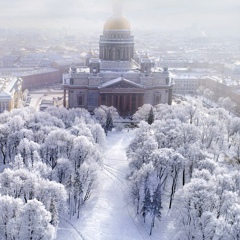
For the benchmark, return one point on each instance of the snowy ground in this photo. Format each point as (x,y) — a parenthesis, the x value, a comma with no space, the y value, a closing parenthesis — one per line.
(109,216)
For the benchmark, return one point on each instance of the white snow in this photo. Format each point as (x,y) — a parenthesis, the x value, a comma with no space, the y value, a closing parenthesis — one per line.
(109,216)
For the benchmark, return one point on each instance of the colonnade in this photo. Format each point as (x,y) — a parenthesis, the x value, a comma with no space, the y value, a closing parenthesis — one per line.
(126,104)
(116,53)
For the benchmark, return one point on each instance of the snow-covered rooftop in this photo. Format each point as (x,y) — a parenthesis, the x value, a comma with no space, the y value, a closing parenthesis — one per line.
(7,87)
(226,81)
(36,71)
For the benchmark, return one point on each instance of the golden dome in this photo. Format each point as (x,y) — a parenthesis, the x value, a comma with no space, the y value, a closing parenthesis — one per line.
(117,23)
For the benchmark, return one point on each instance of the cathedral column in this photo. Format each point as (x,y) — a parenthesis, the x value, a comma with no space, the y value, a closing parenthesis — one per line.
(141,99)
(106,100)
(110,54)
(170,97)
(64,98)
(130,104)
(114,53)
(101,52)
(137,95)
(100,100)
(112,100)
(118,102)
(124,103)
(121,54)
(107,53)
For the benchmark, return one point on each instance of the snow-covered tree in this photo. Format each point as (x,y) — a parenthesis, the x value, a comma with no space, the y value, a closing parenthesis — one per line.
(150,119)
(156,206)
(194,209)
(235,147)
(45,150)
(26,149)
(9,208)
(143,113)
(97,134)
(146,204)
(227,103)
(80,187)
(34,222)
(4,131)
(207,93)
(101,113)
(108,126)
(191,110)
(63,170)
(176,164)
(57,144)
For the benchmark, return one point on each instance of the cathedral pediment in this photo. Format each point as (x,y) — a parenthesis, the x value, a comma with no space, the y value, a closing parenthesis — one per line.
(121,83)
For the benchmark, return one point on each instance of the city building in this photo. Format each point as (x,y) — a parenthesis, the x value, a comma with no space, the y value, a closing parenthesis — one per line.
(40,78)
(185,84)
(10,93)
(34,77)
(223,87)
(188,80)
(115,78)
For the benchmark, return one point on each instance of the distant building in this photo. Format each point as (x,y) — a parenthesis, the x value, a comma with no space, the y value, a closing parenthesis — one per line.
(180,62)
(41,77)
(9,60)
(34,77)
(115,79)
(14,71)
(10,93)
(188,80)
(223,88)
(185,84)
(63,65)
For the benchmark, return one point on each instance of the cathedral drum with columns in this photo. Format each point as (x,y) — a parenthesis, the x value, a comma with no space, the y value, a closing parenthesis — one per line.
(115,78)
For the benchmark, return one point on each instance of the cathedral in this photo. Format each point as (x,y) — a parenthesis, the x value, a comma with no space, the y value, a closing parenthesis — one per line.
(115,78)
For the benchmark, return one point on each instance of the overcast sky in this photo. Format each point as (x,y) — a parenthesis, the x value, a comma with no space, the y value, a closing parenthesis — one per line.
(91,14)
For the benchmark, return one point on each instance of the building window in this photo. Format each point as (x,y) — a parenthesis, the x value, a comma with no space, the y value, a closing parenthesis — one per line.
(157,98)
(80,99)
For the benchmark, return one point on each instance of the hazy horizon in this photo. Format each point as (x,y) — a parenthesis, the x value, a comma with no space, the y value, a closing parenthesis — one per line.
(142,14)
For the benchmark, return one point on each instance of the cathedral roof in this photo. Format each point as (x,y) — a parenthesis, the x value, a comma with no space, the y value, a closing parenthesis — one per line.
(121,80)
(119,65)
(117,23)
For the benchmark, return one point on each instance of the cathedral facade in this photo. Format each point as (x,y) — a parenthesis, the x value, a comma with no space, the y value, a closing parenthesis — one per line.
(115,78)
